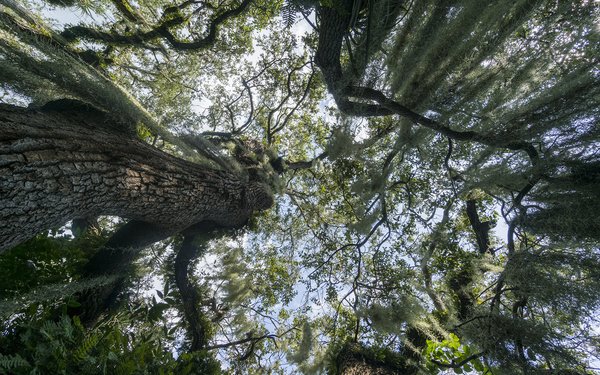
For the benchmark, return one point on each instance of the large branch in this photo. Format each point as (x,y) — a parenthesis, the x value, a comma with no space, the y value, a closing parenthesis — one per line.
(115,260)
(195,241)
(481,229)
(189,250)
(163,30)
(335,25)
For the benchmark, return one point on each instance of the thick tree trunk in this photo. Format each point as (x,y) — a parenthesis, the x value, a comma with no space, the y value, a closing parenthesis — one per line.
(59,165)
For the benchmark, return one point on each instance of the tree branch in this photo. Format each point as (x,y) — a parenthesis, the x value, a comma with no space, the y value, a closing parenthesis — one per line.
(195,240)
(334,26)
(305,164)
(160,31)
(254,340)
(481,229)
(458,364)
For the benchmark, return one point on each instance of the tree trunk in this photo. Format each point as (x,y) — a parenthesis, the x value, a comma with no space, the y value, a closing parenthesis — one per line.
(355,359)
(194,245)
(56,165)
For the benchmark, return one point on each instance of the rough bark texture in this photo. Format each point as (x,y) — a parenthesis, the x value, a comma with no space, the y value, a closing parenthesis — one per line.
(353,359)
(194,244)
(56,165)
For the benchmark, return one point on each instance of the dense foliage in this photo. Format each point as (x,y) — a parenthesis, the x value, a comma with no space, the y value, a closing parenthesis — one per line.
(436,172)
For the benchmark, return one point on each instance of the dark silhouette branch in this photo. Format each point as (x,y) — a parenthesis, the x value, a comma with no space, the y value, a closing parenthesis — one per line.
(193,245)
(189,250)
(252,340)
(242,128)
(238,342)
(460,363)
(280,126)
(305,164)
(335,24)
(481,229)
(160,31)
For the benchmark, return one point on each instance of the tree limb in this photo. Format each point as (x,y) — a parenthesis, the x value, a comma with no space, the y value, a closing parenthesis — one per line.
(481,229)
(458,364)
(195,240)
(334,26)
(159,31)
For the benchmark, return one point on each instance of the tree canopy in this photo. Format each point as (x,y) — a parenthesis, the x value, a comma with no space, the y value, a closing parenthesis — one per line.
(300,186)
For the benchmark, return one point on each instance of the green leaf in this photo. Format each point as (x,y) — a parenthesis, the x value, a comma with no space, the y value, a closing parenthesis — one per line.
(156,311)
(73,303)
(478,365)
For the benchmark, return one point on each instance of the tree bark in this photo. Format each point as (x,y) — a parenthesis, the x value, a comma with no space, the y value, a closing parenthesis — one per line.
(355,359)
(481,229)
(56,165)
(194,245)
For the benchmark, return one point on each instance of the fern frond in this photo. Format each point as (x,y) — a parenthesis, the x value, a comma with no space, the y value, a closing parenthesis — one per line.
(288,13)
(12,362)
(86,347)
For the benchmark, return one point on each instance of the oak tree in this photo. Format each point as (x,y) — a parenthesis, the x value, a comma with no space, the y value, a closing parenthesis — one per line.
(341,186)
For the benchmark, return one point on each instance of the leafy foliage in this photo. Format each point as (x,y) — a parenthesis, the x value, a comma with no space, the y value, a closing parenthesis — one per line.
(66,347)
(450,352)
